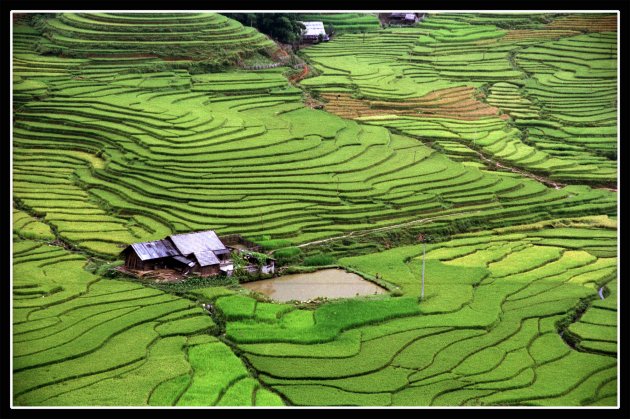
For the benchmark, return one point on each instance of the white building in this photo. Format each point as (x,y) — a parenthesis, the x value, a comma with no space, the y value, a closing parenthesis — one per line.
(313,30)
(405,17)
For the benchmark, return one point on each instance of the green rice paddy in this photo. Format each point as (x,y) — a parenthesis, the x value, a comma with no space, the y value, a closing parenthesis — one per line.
(557,91)
(122,134)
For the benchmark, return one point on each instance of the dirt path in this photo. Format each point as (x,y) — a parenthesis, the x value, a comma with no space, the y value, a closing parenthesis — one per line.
(299,77)
(541,179)
(359,233)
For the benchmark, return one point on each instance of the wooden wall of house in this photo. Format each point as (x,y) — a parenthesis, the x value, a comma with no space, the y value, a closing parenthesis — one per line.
(208,270)
(132,261)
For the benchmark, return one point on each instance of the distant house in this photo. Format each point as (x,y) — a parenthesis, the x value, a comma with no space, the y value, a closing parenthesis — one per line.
(313,30)
(407,18)
(200,253)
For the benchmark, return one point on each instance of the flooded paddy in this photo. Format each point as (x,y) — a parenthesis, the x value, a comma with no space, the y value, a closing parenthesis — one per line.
(330,283)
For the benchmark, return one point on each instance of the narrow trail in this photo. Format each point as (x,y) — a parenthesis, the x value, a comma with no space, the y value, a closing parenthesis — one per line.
(541,179)
(608,189)
(360,233)
(490,162)
(301,76)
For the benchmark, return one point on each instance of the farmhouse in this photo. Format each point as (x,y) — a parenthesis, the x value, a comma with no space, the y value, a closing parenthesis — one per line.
(405,18)
(201,253)
(313,30)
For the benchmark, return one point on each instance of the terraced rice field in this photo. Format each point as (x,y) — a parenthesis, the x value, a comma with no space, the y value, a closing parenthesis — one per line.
(486,332)
(139,154)
(122,134)
(82,340)
(184,35)
(550,89)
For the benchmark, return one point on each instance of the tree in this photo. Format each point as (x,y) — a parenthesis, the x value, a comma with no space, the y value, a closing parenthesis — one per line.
(283,27)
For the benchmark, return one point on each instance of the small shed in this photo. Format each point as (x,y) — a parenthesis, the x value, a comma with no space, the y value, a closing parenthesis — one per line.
(411,17)
(207,263)
(268,267)
(405,17)
(183,264)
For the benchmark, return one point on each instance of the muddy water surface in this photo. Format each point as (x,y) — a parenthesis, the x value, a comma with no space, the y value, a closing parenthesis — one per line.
(330,283)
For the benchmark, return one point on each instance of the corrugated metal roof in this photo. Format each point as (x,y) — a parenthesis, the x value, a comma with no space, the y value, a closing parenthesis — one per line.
(184,260)
(313,28)
(201,241)
(154,250)
(207,258)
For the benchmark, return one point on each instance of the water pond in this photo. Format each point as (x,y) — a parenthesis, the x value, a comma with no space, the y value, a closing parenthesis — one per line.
(330,283)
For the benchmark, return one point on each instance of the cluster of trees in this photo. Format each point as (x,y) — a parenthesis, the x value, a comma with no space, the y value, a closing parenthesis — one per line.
(283,27)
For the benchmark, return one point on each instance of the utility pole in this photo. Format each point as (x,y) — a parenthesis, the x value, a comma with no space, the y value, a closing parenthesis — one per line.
(424,248)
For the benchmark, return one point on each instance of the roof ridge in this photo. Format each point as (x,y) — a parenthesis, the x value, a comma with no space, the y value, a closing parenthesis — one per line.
(191,232)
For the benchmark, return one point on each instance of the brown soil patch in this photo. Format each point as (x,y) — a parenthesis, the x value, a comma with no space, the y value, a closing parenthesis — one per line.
(586,23)
(163,275)
(523,34)
(454,103)
(178,59)
(313,103)
(122,56)
(280,55)
(296,78)
(159,275)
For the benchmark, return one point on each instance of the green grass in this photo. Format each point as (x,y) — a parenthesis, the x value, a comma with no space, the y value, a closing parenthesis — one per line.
(323,325)
(319,260)
(214,368)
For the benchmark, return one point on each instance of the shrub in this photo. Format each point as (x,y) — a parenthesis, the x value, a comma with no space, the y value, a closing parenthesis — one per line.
(287,255)
(268,244)
(319,260)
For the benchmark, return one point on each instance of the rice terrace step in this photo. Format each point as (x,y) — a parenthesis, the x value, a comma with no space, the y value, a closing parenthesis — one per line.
(324,209)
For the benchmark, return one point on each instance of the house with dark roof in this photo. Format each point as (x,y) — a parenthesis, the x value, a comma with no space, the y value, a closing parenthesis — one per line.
(201,253)
(407,18)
